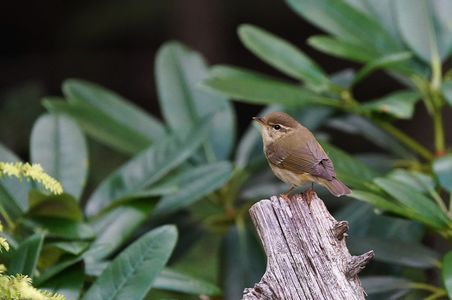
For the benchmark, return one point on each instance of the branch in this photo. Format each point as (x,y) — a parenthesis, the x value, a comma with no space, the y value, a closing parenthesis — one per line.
(307,257)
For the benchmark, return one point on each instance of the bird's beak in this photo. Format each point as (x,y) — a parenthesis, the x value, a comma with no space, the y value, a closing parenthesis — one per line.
(259,120)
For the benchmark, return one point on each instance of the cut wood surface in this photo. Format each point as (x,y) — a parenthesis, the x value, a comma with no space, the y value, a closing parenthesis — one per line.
(307,256)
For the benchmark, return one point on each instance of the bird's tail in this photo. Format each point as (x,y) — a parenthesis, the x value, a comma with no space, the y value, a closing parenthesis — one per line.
(336,187)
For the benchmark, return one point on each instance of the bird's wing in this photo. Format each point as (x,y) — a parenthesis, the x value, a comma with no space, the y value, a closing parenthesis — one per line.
(310,158)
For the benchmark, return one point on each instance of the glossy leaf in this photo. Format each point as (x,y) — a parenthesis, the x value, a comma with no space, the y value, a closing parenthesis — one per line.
(342,49)
(146,168)
(120,110)
(170,280)
(178,70)
(69,284)
(447,272)
(417,181)
(51,272)
(447,91)
(283,56)
(242,262)
(195,184)
(74,248)
(259,89)
(387,61)
(100,126)
(414,201)
(378,201)
(417,28)
(117,226)
(398,104)
(352,124)
(381,284)
(24,259)
(63,228)
(13,192)
(58,145)
(132,273)
(345,22)
(443,170)
(394,251)
(60,206)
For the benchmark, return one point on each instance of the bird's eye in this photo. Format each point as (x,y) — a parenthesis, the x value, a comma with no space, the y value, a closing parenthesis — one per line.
(276,127)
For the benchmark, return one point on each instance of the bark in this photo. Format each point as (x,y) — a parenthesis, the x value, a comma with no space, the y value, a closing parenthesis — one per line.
(307,256)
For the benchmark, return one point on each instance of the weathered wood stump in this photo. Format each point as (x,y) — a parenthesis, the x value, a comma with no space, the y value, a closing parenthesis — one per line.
(307,257)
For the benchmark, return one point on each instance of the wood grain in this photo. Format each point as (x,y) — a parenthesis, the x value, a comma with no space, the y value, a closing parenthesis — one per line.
(307,256)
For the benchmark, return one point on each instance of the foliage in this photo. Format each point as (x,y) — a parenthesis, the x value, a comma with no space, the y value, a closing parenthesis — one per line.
(171,220)
(411,41)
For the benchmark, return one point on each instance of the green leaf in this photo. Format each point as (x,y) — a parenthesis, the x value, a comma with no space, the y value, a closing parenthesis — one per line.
(117,226)
(58,145)
(100,126)
(345,22)
(74,248)
(378,201)
(352,124)
(132,273)
(342,49)
(414,201)
(283,56)
(259,89)
(418,181)
(447,272)
(63,228)
(443,170)
(446,89)
(349,169)
(50,273)
(177,282)
(69,284)
(146,168)
(24,259)
(178,70)
(242,262)
(60,206)
(195,184)
(388,61)
(119,110)
(394,251)
(398,104)
(381,284)
(13,192)
(417,28)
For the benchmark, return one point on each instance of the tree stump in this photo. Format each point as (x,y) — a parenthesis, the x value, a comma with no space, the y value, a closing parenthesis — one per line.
(307,257)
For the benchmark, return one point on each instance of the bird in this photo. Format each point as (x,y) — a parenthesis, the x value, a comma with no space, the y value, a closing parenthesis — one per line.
(295,156)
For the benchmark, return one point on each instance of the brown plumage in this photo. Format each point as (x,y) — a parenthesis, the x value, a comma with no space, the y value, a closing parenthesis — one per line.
(295,156)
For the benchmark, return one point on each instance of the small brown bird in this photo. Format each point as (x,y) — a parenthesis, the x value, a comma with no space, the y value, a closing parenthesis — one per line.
(295,156)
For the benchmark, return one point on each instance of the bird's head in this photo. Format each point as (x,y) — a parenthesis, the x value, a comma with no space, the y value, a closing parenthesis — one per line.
(276,125)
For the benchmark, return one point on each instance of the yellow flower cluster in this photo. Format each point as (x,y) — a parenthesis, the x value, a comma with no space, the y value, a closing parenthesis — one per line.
(33,172)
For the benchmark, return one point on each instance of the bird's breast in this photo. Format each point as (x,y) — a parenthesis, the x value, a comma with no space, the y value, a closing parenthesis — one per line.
(291,177)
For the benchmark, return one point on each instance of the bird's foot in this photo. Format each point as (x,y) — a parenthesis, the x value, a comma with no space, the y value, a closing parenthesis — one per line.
(285,196)
(309,195)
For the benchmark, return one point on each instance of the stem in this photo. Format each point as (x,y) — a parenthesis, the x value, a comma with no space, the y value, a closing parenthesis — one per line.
(450,203)
(406,139)
(439,132)
(439,201)
(427,287)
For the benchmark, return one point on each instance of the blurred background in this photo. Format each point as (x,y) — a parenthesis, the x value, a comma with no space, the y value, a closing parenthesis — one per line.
(113,43)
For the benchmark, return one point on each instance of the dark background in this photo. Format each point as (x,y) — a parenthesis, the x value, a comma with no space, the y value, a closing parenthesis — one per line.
(113,43)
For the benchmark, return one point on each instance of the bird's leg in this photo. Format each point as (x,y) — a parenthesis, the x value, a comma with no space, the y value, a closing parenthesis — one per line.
(286,194)
(310,194)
